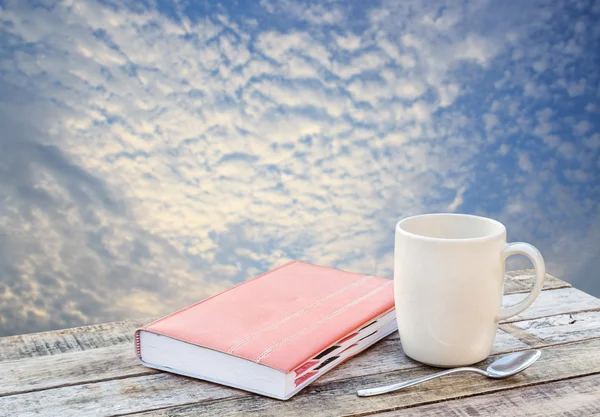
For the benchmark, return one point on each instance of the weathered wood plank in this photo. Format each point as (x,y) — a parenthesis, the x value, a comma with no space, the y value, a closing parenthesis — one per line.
(118,361)
(71,369)
(522,281)
(327,398)
(548,303)
(563,328)
(525,337)
(110,334)
(112,397)
(558,301)
(339,398)
(573,397)
(68,340)
(388,355)
(103,352)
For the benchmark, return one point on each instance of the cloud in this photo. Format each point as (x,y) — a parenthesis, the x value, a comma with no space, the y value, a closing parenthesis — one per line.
(150,159)
(318,14)
(593,141)
(582,127)
(524,162)
(491,120)
(574,89)
(458,200)
(504,148)
(348,41)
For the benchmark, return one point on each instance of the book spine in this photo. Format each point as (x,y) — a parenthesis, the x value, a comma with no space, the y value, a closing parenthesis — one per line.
(138,349)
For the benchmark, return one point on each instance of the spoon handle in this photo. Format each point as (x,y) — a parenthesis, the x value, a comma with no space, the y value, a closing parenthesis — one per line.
(395,387)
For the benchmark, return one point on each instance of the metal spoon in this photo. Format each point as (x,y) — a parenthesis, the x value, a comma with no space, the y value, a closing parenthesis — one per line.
(501,368)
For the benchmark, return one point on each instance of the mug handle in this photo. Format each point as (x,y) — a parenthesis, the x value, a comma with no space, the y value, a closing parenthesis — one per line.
(540,270)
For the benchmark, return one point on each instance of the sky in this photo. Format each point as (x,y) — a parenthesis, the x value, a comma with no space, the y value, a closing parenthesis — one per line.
(153,153)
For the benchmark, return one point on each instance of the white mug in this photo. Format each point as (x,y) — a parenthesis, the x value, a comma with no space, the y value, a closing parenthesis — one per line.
(448,286)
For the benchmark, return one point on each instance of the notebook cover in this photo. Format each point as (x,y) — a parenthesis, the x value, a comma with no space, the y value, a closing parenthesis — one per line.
(280,318)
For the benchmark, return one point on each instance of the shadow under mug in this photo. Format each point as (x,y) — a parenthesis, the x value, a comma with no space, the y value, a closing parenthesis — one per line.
(448,286)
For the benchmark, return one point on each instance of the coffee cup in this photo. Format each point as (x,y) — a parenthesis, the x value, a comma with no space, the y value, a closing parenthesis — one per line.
(448,286)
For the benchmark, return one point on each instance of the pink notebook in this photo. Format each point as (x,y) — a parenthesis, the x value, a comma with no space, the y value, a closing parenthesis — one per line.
(273,334)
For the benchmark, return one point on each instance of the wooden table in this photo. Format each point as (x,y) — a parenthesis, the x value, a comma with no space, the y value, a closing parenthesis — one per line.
(92,370)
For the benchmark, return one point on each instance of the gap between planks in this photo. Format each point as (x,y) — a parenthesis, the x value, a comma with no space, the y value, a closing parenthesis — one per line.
(411,409)
(524,336)
(502,400)
(573,360)
(163,390)
(568,396)
(114,333)
(482,364)
(70,340)
(102,328)
(118,362)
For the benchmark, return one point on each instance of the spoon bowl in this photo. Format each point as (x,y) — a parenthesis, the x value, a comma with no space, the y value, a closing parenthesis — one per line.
(502,367)
(512,364)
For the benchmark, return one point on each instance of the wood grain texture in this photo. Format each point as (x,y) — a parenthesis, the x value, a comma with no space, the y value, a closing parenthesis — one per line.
(70,369)
(560,301)
(339,398)
(336,397)
(111,334)
(92,370)
(572,397)
(521,281)
(68,340)
(118,396)
(563,328)
(525,337)
(388,355)
(554,302)
(118,360)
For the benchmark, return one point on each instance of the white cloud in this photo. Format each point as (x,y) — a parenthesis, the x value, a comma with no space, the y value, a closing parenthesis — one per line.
(478,49)
(524,162)
(593,141)
(367,61)
(582,127)
(348,41)
(567,149)
(458,200)
(318,14)
(574,89)
(279,46)
(576,175)
(551,140)
(448,93)
(491,120)
(174,154)
(539,66)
